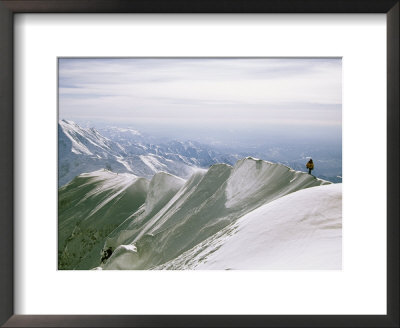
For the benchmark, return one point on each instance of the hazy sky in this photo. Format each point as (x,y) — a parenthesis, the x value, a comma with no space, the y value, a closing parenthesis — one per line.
(292,94)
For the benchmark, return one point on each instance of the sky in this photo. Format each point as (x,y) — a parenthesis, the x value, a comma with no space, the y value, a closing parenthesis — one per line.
(204,96)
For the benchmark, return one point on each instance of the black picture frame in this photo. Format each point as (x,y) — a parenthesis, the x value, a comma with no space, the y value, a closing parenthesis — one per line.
(10,7)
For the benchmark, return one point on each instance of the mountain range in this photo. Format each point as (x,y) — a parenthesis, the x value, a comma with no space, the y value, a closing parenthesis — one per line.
(129,201)
(83,150)
(253,215)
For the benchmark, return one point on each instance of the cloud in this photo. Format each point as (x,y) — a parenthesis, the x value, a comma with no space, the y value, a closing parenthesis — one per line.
(180,90)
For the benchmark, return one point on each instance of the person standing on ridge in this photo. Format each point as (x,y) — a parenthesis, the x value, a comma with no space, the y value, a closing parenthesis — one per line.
(310,166)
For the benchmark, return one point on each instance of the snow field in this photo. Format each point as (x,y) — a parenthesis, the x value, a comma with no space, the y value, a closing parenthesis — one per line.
(298,231)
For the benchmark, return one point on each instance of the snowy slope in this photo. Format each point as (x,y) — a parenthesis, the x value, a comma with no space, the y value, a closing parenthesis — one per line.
(90,207)
(205,205)
(298,231)
(88,141)
(94,204)
(147,165)
(86,150)
(162,188)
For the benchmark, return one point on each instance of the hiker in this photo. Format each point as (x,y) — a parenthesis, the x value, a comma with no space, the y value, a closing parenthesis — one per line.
(310,166)
(106,254)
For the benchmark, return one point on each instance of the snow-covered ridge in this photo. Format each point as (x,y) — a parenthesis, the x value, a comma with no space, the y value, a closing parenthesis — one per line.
(86,149)
(131,131)
(86,141)
(162,186)
(175,217)
(264,179)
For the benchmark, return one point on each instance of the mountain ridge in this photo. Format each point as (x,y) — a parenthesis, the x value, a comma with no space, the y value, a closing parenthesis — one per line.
(83,150)
(190,212)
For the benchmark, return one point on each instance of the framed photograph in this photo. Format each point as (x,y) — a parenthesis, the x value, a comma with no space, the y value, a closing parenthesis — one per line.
(183,163)
(197,164)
